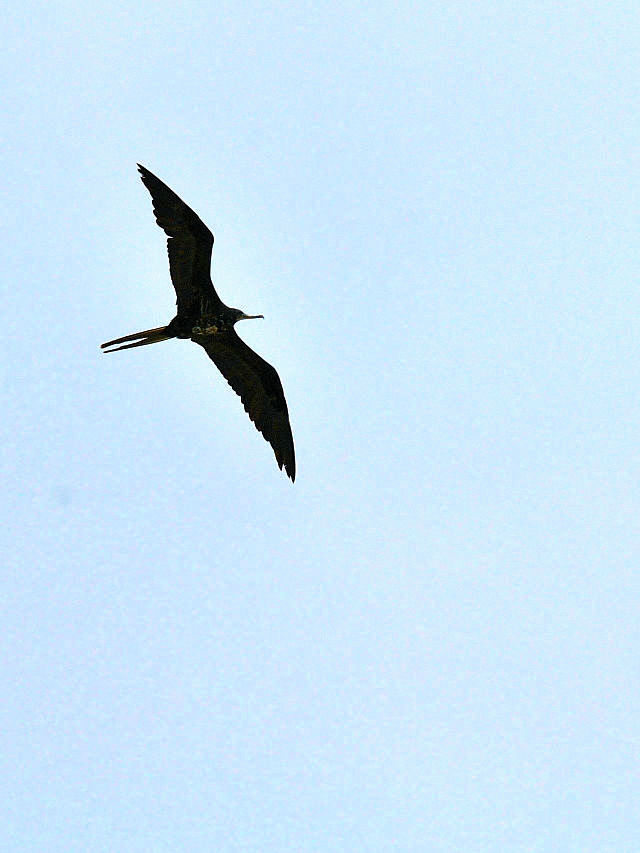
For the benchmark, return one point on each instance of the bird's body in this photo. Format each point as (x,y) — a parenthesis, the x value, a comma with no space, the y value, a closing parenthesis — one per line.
(203,318)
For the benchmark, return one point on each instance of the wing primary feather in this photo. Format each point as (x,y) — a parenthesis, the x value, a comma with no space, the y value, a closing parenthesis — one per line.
(258,385)
(189,245)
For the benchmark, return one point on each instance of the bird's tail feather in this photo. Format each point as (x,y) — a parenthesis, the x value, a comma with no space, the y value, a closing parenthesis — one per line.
(141,339)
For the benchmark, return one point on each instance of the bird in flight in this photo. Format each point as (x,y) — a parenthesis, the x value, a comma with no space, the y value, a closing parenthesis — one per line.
(204,318)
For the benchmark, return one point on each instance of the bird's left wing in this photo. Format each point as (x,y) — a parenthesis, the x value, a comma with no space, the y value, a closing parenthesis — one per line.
(258,385)
(189,246)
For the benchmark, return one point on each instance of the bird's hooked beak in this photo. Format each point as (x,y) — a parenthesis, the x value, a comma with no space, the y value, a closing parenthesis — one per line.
(244,316)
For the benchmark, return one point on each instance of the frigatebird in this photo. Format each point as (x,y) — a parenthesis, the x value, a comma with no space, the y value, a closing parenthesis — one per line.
(204,318)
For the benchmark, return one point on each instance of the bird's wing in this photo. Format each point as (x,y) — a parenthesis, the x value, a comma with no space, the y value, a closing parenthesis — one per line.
(258,386)
(189,245)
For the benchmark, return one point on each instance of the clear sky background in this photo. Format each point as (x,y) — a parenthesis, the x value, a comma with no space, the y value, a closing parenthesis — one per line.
(430,642)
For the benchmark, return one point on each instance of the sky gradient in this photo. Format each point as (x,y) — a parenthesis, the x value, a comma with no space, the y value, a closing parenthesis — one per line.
(430,641)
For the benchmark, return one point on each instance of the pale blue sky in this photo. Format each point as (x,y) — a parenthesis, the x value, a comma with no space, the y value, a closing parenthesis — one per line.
(430,642)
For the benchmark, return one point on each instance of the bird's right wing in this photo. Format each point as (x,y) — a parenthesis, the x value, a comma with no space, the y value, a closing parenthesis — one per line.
(189,246)
(258,385)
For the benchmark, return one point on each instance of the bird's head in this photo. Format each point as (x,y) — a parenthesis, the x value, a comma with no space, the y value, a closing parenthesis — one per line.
(240,315)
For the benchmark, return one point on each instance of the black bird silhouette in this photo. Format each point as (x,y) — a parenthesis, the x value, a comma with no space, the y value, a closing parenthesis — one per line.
(203,318)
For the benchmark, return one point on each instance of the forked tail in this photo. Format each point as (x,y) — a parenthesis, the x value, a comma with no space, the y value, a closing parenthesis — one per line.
(140,339)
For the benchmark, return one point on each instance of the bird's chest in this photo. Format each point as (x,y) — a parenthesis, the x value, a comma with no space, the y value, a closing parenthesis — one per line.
(208,326)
